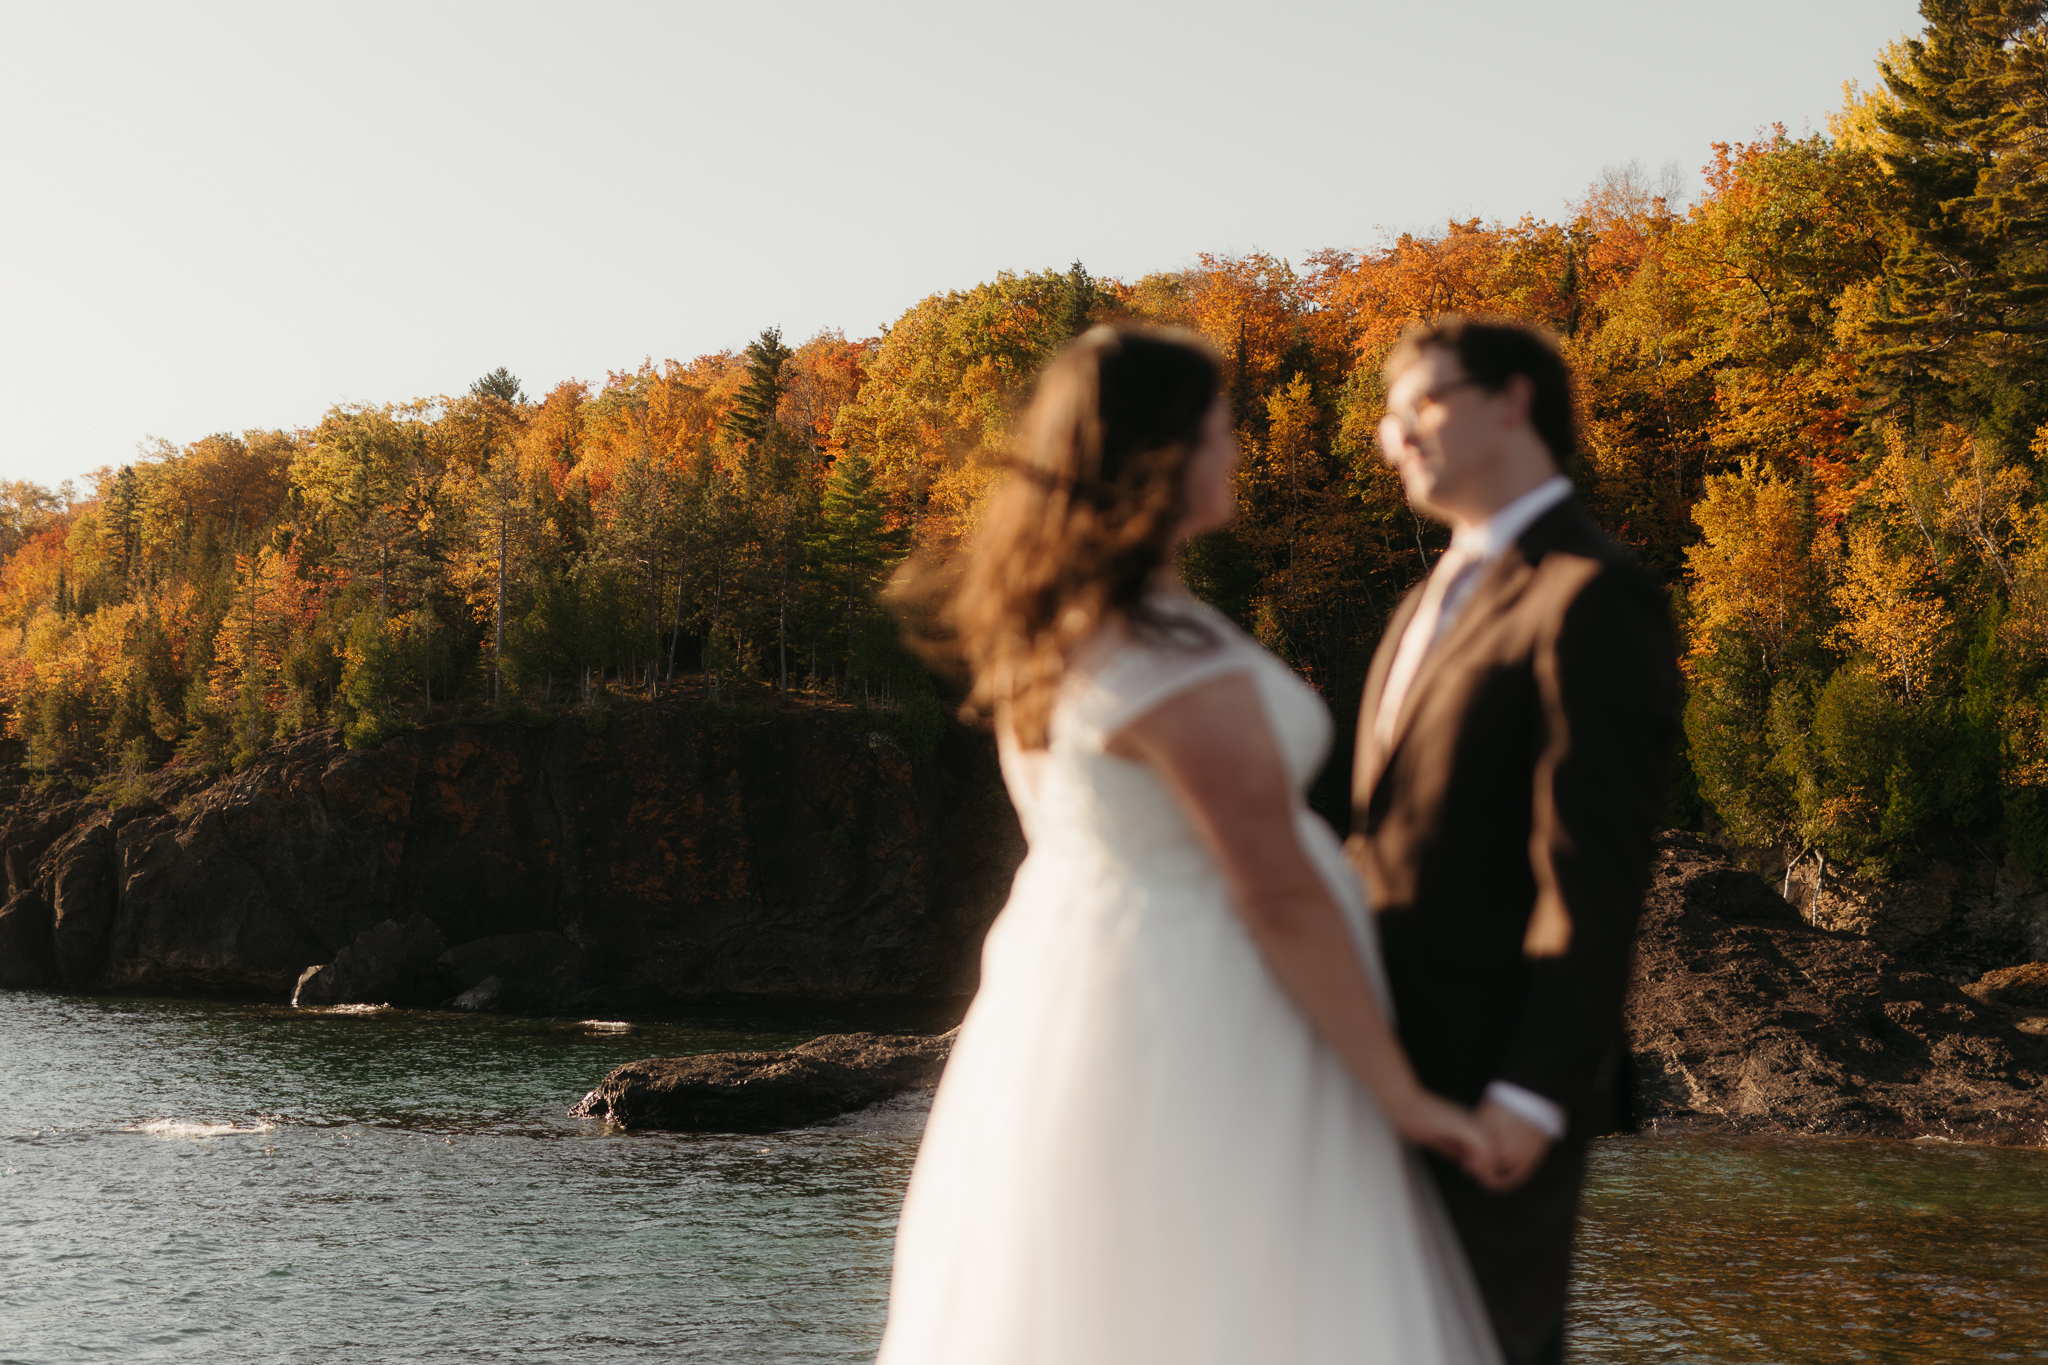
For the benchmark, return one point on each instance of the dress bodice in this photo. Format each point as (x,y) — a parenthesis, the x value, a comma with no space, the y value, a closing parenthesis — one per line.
(1078,797)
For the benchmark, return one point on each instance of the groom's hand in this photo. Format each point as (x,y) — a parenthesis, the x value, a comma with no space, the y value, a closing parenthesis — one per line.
(1518,1147)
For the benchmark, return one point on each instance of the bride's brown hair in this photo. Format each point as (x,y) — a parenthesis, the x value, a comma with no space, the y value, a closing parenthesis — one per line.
(1086,516)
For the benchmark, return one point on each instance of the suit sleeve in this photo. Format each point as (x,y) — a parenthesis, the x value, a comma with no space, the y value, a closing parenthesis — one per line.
(1607,682)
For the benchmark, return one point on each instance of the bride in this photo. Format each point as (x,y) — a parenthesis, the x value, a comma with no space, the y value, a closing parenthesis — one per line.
(1172,1127)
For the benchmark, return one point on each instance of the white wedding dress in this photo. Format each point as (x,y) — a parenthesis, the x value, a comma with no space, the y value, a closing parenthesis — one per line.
(1140,1152)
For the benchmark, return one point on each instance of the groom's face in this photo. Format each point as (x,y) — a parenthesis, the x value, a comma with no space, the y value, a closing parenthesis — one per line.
(1421,436)
(1443,435)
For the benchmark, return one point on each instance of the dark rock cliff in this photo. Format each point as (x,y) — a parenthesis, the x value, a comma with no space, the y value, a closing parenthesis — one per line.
(1745,1017)
(680,852)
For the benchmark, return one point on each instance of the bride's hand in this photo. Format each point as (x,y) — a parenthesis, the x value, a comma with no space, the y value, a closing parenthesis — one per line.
(1450,1130)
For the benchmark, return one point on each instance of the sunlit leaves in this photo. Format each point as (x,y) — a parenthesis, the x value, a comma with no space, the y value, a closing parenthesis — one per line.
(1891,611)
(1754,572)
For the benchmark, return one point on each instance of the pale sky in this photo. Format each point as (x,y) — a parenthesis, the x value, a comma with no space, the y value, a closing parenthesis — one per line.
(216,217)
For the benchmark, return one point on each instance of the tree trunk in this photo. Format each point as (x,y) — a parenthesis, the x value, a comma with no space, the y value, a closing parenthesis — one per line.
(782,624)
(498,649)
(252,662)
(675,636)
(852,600)
(717,608)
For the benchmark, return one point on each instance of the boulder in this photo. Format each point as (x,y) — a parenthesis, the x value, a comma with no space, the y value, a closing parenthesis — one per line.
(28,954)
(2016,991)
(1744,1018)
(1958,919)
(388,964)
(761,1092)
(532,971)
(482,996)
(2023,988)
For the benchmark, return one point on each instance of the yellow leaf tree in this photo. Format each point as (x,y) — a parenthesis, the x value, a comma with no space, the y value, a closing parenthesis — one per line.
(1891,612)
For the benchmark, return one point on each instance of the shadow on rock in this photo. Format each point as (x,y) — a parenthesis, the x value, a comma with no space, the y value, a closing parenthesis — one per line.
(411,965)
(690,852)
(388,964)
(515,972)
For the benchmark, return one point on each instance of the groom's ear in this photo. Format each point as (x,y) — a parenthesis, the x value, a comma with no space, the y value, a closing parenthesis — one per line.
(1520,393)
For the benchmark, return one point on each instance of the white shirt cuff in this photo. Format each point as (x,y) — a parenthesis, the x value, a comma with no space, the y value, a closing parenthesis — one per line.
(1523,1103)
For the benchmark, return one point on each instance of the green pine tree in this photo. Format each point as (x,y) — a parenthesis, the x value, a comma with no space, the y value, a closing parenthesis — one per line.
(373,672)
(499,383)
(1074,306)
(1968,264)
(851,549)
(754,414)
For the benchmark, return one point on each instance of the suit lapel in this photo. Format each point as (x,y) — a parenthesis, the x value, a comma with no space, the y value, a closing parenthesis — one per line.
(1502,583)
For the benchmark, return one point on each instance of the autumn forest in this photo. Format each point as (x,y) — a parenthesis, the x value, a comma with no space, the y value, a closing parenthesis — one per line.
(1813,402)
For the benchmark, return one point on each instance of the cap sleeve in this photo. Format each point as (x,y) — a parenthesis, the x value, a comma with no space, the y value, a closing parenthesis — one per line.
(1101,698)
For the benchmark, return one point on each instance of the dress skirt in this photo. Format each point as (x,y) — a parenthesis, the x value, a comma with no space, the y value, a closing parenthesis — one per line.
(1140,1152)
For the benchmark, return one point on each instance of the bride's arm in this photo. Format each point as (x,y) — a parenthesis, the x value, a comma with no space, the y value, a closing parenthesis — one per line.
(1215,751)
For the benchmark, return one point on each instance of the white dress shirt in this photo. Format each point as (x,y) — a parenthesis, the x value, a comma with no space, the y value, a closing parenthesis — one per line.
(1460,570)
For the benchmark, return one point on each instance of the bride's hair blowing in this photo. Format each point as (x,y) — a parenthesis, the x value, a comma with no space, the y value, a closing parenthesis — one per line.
(1086,516)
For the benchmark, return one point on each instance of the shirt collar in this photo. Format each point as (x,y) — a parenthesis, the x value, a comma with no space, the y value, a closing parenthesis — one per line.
(1502,529)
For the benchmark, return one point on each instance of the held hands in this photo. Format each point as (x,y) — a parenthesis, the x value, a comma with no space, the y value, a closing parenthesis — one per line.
(1497,1148)
(1518,1145)
(1450,1130)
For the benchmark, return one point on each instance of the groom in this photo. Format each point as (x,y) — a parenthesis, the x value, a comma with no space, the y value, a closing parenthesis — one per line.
(1509,776)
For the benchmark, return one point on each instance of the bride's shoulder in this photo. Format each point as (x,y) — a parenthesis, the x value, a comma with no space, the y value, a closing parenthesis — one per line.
(1130,666)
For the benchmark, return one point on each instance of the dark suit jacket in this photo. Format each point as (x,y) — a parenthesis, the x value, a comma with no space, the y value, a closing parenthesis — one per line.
(1505,833)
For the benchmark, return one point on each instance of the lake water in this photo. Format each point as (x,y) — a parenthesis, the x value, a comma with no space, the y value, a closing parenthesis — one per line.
(185,1180)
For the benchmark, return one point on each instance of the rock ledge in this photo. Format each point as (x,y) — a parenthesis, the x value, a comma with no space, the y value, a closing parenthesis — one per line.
(762,1092)
(1742,1017)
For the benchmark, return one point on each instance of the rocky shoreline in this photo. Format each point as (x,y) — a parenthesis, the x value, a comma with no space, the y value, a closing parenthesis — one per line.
(1742,1018)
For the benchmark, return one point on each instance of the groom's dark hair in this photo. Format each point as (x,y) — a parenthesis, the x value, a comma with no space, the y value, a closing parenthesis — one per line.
(1493,350)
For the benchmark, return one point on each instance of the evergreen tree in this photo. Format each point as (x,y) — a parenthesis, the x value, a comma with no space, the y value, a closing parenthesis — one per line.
(373,671)
(121,517)
(2012,193)
(1966,269)
(499,383)
(1073,307)
(755,412)
(852,547)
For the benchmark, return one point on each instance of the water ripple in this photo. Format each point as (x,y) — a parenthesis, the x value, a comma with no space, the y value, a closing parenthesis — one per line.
(185,1181)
